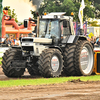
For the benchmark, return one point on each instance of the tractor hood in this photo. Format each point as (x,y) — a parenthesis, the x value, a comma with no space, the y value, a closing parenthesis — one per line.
(28,40)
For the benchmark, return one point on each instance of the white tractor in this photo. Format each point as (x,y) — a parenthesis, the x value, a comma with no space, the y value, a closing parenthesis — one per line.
(54,51)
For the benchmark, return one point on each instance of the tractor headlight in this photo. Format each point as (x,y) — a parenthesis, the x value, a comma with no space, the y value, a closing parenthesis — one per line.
(31,52)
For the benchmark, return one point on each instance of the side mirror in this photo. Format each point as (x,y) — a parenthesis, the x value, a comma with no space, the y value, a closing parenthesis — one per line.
(25,23)
(65,23)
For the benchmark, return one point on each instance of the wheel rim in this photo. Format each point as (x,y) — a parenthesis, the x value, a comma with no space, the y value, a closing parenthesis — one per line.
(86,59)
(55,63)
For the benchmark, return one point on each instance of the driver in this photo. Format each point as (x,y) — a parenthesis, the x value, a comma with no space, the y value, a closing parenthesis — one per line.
(54,29)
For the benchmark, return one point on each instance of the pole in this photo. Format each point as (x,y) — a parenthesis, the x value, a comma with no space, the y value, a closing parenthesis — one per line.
(38,26)
(0,16)
(82,6)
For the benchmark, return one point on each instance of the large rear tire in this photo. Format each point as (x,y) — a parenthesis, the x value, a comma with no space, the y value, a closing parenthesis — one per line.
(9,56)
(84,58)
(51,63)
(79,59)
(69,68)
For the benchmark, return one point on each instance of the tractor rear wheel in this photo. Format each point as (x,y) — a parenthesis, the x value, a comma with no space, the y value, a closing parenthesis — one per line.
(69,69)
(8,69)
(79,59)
(51,63)
(84,58)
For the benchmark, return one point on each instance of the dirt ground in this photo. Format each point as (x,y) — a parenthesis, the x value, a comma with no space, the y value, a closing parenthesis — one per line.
(74,90)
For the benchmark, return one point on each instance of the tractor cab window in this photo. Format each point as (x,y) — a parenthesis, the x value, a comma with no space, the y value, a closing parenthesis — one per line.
(65,28)
(49,28)
(42,28)
(53,29)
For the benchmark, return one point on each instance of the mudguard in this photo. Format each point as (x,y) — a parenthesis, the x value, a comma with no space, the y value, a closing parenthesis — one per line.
(73,39)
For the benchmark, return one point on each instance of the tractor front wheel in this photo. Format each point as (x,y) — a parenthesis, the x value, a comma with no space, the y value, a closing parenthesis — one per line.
(51,63)
(9,69)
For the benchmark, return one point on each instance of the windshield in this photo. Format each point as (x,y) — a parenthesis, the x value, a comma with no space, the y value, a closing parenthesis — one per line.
(42,28)
(49,28)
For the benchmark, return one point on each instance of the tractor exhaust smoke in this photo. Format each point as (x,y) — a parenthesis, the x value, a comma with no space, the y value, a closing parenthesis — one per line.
(36,3)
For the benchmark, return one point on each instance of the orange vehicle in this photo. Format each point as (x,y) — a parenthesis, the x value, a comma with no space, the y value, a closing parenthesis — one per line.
(15,29)
(96,69)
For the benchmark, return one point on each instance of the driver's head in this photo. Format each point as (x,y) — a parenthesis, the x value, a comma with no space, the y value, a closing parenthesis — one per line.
(54,24)
(99,39)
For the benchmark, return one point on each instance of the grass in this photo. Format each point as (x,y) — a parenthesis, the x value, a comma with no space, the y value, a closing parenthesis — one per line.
(41,81)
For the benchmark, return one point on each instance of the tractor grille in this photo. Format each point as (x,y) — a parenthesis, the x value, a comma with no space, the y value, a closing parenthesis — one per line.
(28,48)
(27,40)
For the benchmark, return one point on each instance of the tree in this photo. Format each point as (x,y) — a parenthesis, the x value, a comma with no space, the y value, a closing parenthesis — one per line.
(93,23)
(50,6)
(89,11)
(96,4)
(35,14)
(11,13)
(67,6)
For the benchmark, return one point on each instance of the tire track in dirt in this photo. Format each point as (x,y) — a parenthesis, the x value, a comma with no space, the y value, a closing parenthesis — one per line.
(64,91)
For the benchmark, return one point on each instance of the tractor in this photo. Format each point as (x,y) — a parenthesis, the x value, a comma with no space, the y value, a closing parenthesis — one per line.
(54,52)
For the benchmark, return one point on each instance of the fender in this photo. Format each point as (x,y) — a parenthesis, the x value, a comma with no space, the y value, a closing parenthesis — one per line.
(57,47)
(73,39)
(79,38)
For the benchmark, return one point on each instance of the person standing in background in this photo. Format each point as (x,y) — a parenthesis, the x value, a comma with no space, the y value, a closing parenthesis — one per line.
(98,42)
(10,41)
(95,39)
(6,42)
(92,41)
(21,37)
(17,42)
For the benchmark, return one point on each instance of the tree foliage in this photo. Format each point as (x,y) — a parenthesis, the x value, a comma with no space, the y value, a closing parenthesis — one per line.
(96,4)
(35,14)
(11,13)
(93,23)
(67,6)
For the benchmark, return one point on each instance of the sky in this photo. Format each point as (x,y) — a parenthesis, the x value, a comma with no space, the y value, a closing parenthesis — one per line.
(22,8)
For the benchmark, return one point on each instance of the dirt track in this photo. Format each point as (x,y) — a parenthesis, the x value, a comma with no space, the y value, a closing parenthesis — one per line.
(75,90)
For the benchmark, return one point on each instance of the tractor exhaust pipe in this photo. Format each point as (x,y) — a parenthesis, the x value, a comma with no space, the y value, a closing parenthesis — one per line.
(38,26)
(81,32)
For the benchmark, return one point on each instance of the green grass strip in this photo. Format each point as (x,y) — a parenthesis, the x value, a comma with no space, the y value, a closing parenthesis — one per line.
(41,81)
(0,63)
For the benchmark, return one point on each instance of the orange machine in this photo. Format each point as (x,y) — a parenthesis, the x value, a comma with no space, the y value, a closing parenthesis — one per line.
(15,29)
(96,69)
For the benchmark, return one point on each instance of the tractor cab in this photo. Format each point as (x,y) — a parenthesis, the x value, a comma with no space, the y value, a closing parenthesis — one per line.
(55,25)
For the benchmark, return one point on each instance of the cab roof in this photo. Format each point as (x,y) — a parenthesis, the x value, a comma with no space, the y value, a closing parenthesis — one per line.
(56,15)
